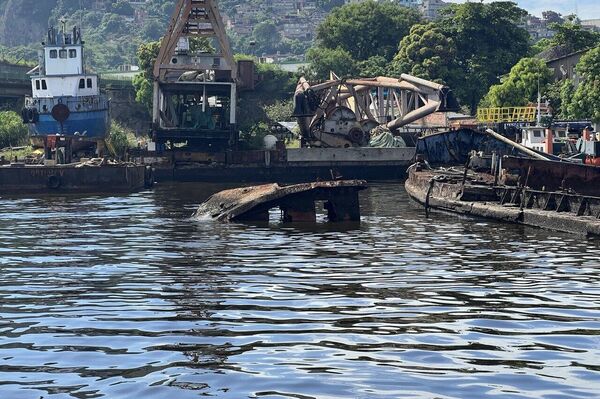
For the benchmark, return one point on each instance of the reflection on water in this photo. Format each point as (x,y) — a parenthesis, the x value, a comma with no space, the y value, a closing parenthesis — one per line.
(125,297)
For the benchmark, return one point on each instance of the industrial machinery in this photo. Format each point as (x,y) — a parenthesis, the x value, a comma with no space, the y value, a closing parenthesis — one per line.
(195,91)
(342,113)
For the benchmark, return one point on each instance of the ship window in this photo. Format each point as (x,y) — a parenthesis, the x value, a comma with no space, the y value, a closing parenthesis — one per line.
(44,87)
(62,54)
(72,53)
(89,83)
(537,133)
(82,83)
(53,54)
(37,84)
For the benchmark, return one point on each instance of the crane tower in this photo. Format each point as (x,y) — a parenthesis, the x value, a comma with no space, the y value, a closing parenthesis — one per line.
(195,81)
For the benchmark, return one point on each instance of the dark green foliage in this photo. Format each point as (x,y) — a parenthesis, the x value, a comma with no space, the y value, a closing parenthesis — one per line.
(488,43)
(585,102)
(367,29)
(429,53)
(520,87)
(269,103)
(267,37)
(573,36)
(325,60)
(13,132)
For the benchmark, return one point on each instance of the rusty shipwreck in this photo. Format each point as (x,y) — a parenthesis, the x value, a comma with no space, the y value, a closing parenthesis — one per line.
(483,174)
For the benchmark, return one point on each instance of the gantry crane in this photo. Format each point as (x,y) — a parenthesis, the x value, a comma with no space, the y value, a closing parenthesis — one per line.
(195,90)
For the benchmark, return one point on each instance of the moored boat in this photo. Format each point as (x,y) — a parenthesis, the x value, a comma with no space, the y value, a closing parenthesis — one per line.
(66,105)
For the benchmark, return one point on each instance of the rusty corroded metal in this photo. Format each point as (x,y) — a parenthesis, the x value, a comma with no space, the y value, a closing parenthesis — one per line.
(444,189)
(297,202)
(552,176)
(343,112)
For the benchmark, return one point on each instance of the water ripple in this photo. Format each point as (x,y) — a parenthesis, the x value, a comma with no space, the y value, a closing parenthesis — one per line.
(126,297)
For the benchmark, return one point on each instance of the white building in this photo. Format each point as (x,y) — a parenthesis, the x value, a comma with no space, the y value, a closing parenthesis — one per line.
(431,8)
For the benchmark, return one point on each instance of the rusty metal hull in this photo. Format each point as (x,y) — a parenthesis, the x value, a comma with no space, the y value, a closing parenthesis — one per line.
(553,176)
(297,202)
(453,147)
(551,210)
(71,179)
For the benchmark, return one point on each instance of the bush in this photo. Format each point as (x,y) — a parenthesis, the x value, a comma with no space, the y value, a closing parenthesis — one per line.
(13,133)
(120,140)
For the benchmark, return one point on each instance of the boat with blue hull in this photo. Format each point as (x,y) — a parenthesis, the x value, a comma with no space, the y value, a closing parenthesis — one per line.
(66,101)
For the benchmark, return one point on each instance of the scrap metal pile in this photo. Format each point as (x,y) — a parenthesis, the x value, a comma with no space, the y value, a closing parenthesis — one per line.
(351,112)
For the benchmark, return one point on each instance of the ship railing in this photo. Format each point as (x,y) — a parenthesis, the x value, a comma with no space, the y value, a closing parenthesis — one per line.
(506,114)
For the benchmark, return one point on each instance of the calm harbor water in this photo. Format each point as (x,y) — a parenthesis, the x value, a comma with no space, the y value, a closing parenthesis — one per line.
(125,297)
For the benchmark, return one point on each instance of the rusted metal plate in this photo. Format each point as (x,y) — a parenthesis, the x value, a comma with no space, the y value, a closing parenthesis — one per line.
(453,147)
(553,176)
(73,179)
(296,202)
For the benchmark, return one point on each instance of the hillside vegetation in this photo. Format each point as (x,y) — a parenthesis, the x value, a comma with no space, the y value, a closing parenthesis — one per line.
(111,35)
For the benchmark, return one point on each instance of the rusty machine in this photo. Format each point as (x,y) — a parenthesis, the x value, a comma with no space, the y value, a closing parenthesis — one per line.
(195,91)
(343,112)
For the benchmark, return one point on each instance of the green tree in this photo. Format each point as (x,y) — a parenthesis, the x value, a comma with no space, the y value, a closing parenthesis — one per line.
(325,60)
(122,7)
(13,132)
(573,36)
(559,96)
(374,66)
(541,45)
(488,43)
(366,29)
(144,88)
(267,36)
(586,100)
(427,53)
(521,85)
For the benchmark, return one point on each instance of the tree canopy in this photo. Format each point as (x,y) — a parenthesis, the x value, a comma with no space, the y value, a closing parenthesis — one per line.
(488,42)
(367,29)
(12,130)
(520,87)
(585,103)
(427,52)
(573,36)
(325,60)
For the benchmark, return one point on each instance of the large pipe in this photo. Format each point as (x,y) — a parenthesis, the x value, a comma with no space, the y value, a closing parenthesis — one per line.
(413,115)
(421,82)
(518,146)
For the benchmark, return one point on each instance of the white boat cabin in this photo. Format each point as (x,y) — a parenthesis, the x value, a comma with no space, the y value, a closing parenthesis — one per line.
(534,137)
(62,72)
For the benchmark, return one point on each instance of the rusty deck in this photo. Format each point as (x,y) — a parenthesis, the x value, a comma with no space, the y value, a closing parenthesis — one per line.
(297,202)
(477,195)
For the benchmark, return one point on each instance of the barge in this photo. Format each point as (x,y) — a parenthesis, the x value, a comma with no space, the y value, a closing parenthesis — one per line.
(510,183)
(284,165)
(74,178)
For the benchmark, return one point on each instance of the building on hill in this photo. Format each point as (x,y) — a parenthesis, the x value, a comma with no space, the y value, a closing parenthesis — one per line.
(563,62)
(430,9)
(591,24)
(537,28)
(405,3)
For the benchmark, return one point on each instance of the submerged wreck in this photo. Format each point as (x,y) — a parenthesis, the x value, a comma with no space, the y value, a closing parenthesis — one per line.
(296,202)
(486,175)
